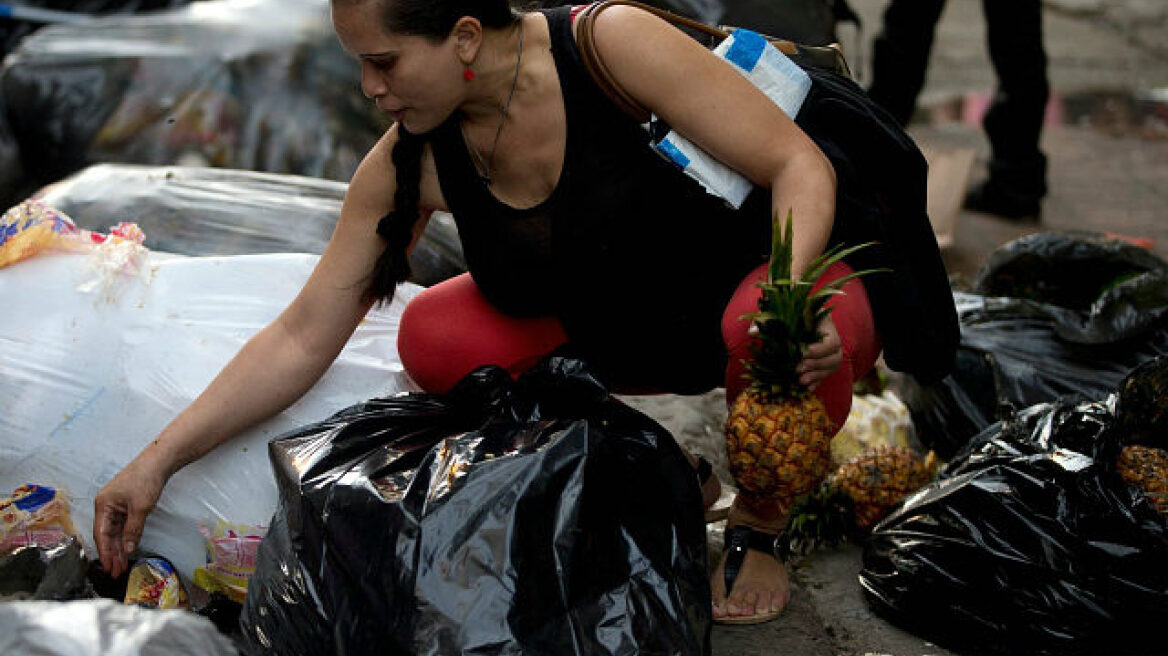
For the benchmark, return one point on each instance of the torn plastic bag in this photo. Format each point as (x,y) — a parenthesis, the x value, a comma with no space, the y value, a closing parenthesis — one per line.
(89,379)
(1089,309)
(101,627)
(1029,543)
(248,84)
(538,517)
(210,211)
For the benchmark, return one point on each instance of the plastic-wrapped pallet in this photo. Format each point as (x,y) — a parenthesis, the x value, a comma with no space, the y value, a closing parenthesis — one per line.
(89,377)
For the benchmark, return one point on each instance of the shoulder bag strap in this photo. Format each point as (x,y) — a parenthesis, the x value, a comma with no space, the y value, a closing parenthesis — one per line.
(829,57)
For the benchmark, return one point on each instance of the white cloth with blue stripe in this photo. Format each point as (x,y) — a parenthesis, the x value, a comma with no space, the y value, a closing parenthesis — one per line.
(775,75)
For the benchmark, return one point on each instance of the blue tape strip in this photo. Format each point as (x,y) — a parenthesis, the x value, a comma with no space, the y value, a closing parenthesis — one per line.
(35,497)
(746,49)
(666,147)
(5,11)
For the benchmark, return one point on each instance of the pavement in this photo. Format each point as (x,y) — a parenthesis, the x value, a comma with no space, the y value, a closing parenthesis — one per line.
(1106,138)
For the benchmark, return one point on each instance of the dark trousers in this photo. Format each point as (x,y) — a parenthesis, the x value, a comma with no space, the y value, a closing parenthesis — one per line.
(900,57)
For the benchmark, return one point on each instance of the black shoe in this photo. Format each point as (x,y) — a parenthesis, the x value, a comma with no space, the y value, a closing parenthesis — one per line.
(991,199)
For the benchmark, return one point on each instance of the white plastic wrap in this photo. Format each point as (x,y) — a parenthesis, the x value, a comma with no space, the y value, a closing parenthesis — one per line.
(86,379)
(874,420)
(103,627)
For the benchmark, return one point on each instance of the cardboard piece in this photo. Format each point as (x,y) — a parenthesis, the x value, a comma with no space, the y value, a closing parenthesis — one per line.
(948,177)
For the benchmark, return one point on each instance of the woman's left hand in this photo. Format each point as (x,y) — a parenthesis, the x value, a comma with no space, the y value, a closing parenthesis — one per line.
(823,358)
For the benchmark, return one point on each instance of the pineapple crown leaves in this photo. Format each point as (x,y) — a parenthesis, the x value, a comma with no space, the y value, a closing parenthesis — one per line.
(825,517)
(789,312)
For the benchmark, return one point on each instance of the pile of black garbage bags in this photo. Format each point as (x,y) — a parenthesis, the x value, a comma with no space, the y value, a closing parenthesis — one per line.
(1030,542)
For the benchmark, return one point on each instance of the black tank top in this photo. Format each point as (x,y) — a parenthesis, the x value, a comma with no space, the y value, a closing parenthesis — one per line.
(635,258)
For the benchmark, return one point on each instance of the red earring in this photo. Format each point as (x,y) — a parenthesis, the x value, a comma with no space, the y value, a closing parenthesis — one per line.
(468,74)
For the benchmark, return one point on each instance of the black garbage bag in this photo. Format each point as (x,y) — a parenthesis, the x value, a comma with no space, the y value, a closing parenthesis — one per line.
(1055,314)
(705,11)
(1029,543)
(48,572)
(11,171)
(1102,289)
(810,22)
(538,517)
(1141,405)
(211,211)
(258,85)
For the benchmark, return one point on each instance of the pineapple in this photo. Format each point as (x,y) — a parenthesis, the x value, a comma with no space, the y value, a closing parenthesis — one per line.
(1146,469)
(778,435)
(879,479)
(857,496)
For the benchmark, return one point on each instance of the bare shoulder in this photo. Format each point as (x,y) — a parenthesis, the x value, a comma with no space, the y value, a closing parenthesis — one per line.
(653,60)
(623,27)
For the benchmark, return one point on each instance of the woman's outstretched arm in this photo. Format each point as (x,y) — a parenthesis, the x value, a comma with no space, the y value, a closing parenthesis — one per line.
(273,369)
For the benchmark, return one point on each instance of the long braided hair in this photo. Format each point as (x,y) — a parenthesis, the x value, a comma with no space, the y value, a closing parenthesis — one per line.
(432,19)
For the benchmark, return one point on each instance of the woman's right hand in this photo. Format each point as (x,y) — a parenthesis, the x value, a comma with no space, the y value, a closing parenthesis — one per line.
(120,510)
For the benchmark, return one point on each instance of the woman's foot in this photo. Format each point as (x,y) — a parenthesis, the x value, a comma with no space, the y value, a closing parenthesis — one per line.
(750,585)
(758,585)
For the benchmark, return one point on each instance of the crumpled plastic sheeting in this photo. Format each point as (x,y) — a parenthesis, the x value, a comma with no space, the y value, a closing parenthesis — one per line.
(12,29)
(249,84)
(210,211)
(1029,543)
(86,382)
(104,627)
(537,517)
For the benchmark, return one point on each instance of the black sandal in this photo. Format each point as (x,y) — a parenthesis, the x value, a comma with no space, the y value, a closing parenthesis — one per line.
(705,471)
(737,541)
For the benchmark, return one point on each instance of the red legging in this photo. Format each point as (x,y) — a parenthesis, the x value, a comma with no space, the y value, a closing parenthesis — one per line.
(450,329)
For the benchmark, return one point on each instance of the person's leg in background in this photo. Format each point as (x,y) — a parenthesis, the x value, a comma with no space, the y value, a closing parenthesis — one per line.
(1013,124)
(762,582)
(900,55)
